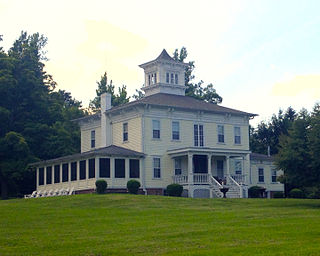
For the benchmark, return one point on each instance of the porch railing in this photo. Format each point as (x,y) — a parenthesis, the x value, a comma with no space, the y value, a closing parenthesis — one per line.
(239,178)
(180,179)
(201,178)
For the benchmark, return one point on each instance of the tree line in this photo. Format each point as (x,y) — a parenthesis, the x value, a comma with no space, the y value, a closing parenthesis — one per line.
(294,140)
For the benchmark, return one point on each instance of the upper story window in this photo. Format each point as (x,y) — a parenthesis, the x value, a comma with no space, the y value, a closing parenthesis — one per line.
(273,176)
(93,139)
(220,133)
(177,166)
(171,78)
(238,167)
(152,78)
(125,131)
(156,168)
(261,175)
(198,135)
(237,135)
(176,78)
(167,78)
(156,129)
(175,130)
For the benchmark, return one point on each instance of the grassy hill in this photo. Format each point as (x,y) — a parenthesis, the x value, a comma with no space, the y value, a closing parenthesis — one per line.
(115,224)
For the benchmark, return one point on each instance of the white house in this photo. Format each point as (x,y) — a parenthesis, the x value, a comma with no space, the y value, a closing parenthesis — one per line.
(163,138)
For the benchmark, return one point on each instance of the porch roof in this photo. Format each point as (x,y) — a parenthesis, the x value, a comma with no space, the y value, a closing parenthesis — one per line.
(206,150)
(106,151)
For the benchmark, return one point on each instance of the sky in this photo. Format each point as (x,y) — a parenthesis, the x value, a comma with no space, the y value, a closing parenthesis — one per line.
(261,56)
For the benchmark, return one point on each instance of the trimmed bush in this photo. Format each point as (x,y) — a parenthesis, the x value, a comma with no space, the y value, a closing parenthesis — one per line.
(296,193)
(174,189)
(101,186)
(278,194)
(133,186)
(256,192)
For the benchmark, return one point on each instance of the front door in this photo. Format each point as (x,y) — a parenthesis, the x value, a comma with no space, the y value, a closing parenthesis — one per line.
(200,164)
(220,169)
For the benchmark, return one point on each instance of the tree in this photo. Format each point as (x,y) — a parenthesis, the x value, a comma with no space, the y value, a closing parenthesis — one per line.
(31,106)
(267,134)
(196,90)
(294,154)
(104,87)
(14,157)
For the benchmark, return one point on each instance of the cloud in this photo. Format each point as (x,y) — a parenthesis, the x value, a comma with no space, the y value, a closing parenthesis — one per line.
(307,85)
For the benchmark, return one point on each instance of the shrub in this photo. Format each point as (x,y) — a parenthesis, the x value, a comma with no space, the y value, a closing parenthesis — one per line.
(278,194)
(101,186)
(296,193)
(174,189)
(256,192)
(133,186)
(312,192)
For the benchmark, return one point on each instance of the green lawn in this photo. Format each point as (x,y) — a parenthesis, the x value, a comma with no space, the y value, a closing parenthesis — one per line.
(115,224)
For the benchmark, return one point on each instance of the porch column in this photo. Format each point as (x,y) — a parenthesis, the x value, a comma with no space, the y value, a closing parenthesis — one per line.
(190,169)
(209,164)
(112,171)
(127,170)
(97,167)
(248,169)
(37,177)
(69,174)
(60,172)
(52,174)
(228,164)
(45,175)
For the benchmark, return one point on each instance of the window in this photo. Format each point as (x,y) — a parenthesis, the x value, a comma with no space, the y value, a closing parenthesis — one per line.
(167,78)
(198,135)
(92,168)
(238,167)
(171,78)
(156,168)
(273,176)
(65,172)
(49,174)
(125,131)
(155,78)
(156,129)
(93,139)
(176,78)
(104,167)
(237,135)
(177,167)
(83,169)
(41,176)
(220,133)
(175,131)
(74,171)
(56,173)
(120,171)
(134,168)
(261,174)
(149,79)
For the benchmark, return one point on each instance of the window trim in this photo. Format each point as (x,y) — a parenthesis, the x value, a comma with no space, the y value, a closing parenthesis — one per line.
(93,139)
(153,129)
(156,167)
(261,176)
(178,131)
(220,134)
(198,138)
(237,142)
(125,132)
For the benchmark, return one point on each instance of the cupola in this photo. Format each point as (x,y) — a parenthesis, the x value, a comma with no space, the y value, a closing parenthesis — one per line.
(164,75)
